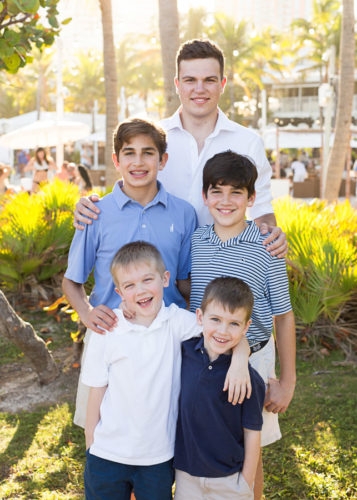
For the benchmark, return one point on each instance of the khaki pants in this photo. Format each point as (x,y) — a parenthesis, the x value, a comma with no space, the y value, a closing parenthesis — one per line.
(232,487)
(82,391)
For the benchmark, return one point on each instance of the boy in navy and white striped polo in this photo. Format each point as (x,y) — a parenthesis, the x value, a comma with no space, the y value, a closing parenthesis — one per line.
(232,246)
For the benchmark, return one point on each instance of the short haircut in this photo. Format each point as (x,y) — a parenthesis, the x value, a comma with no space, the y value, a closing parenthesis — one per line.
(199,49)
(230,169)
(231,293)
(134,252)
(133,127)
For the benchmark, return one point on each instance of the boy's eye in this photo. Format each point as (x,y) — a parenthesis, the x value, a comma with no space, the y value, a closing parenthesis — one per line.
(216,320)
(234,324)
(147,279)
(130,285)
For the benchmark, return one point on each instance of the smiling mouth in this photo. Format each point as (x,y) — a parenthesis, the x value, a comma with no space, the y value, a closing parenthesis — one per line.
(138,173)
(200,100)
(144,303)
(225,211)
(220,340)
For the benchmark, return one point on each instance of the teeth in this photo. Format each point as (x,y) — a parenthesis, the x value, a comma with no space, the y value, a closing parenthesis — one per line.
(220,341)
(144,301)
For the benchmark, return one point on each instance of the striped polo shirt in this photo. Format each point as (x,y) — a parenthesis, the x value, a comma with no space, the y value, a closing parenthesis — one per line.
(244,257)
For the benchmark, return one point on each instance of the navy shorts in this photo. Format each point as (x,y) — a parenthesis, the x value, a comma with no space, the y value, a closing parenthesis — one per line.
(107,480)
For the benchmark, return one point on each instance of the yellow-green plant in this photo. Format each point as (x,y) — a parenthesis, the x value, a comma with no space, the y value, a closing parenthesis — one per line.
(35,234)
(322,266)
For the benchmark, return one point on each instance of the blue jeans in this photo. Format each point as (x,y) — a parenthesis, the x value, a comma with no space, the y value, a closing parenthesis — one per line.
(107,480)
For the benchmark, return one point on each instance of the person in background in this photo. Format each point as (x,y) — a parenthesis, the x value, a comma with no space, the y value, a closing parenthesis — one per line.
(41,163)
(4,178)
(63,174)
(299,170)
(82,179)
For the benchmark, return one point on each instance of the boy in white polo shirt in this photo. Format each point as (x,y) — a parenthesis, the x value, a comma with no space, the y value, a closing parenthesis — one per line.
(134,378)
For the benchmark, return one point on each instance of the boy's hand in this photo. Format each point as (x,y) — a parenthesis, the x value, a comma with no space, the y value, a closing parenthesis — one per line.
(278,395)
(126,312)
(276,240)
(238,384)
(100,318)
(86,211)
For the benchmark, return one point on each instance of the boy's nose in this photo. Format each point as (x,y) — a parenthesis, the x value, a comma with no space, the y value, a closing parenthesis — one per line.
(199,86)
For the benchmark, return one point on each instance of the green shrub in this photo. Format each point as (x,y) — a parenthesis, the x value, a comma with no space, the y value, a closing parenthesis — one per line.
(322,266)
(35,234)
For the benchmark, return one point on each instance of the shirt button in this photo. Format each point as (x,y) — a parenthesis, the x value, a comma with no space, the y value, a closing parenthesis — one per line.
(210,367)
(201,351)
(143,226)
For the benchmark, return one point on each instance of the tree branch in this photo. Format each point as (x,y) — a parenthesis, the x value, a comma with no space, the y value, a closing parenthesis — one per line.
(15,21)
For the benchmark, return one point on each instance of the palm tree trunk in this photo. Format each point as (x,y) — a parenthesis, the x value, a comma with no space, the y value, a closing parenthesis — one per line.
(169,36)
(110,81)
(337,156)
(24,337)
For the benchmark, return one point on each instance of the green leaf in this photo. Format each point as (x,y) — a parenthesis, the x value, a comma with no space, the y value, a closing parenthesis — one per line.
(1,7)
(66,21)
(53,21)
(5,50)
(12,62)
(30,6)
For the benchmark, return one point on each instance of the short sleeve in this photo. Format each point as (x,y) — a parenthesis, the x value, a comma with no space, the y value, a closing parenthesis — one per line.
(252,408)
(95,367)
(262,204)
(82,253)
(184,261)
(185,325)
(278,287)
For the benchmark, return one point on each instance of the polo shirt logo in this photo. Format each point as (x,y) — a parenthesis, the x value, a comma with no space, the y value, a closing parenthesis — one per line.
(171,228)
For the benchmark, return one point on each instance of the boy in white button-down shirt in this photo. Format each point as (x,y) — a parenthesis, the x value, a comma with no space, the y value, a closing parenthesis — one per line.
(134,378)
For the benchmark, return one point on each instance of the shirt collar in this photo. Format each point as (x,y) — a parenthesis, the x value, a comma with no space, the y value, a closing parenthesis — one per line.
(222,358)
(122,199)
(223,122)
(126,326)
(251,234)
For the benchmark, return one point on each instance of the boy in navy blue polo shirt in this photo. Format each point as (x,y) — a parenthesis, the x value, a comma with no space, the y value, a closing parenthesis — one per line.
(232,246)
(217,444)
(138,208)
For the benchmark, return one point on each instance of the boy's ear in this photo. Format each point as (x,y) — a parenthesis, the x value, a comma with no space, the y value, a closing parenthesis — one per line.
(118,292)
(166,279)
(223,84)
(199,316)
(247,326)
(204,198)
(176,84)
(251,199)
(115,161)
(163,161)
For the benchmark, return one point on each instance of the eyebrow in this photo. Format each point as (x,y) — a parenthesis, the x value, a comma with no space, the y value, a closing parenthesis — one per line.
(148,148)
(195,77)
(148,275)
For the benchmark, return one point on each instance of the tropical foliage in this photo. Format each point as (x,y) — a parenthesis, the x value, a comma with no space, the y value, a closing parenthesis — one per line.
(323,271)
(22,28)
(35,235)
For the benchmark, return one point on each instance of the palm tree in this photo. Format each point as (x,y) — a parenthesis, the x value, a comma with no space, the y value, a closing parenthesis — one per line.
(337,156)
(319,33)
(110,81)
(85,81)
(193,24)
(169,36)
(239,52)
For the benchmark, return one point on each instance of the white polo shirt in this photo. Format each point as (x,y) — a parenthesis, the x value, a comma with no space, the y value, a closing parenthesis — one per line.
(141,367)
(182,175)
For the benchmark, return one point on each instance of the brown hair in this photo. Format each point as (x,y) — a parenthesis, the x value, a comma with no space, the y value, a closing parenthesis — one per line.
(133,127)
(231,293)
(230,169)
(136,251)
(199,49)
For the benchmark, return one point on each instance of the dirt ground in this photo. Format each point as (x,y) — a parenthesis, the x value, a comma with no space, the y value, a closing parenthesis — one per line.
(20,389)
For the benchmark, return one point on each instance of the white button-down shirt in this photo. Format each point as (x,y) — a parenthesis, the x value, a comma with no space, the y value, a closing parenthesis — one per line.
(182,175)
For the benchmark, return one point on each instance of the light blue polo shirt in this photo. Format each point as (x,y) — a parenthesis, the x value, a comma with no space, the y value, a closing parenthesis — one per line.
(166,222)
(244,257)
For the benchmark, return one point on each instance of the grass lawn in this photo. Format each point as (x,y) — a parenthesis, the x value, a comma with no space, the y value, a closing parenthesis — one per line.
(42,452)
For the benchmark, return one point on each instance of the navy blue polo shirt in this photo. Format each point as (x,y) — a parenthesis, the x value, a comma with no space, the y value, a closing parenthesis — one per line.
(209,436)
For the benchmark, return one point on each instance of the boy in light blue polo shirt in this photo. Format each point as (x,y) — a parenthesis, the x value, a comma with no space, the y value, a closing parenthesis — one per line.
(138,208)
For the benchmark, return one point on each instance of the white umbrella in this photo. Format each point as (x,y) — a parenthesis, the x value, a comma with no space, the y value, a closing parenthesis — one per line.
(44,133)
